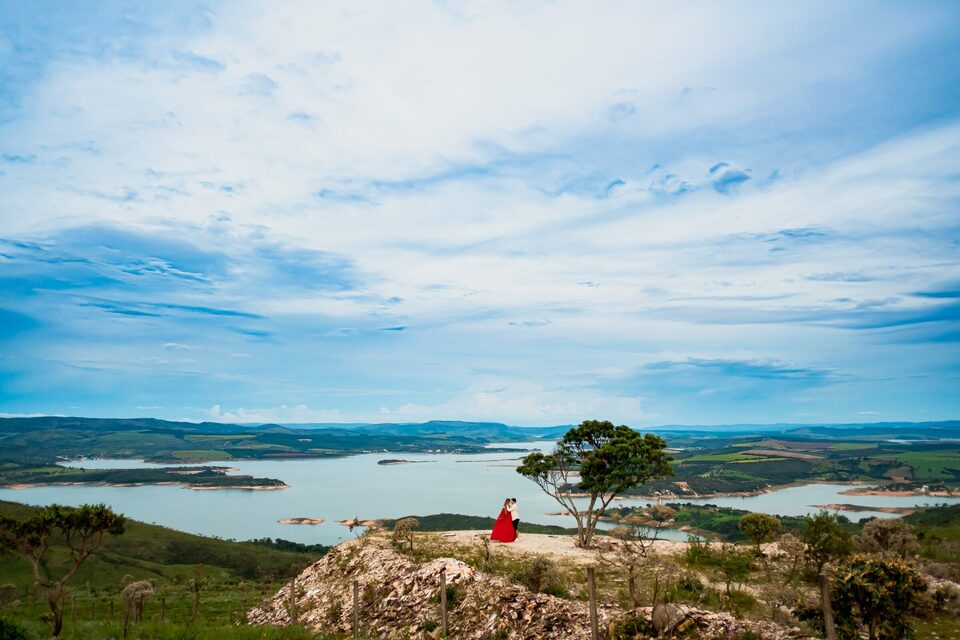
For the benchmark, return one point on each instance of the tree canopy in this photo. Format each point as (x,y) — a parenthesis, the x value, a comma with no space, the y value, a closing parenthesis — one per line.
(598,461)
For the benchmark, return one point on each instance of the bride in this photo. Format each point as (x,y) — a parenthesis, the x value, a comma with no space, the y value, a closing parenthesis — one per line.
(503,530)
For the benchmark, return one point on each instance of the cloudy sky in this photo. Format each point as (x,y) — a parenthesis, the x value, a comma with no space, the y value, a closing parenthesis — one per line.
(529,212)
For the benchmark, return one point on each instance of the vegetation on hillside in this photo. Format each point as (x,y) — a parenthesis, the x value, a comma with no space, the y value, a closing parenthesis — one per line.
(231,577)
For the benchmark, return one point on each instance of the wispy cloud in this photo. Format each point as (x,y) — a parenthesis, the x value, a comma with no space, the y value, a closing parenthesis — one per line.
(765,218)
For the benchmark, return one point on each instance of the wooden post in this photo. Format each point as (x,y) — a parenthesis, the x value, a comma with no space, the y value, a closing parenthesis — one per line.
(592,588)
(111,608)
(293,600)
(828,623)
(443,601)
(163,608)
(73,606)
(356,609)
(93,609)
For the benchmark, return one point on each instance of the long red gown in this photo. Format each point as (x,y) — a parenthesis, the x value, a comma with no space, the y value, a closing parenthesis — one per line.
(503,528)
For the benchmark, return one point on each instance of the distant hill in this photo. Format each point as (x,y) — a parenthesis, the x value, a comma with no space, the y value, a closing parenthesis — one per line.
(495,431)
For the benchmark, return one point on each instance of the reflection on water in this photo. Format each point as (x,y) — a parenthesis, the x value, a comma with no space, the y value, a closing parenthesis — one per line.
(344,488)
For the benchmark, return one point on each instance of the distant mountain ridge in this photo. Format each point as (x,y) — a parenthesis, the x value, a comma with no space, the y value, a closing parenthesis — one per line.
(484,430)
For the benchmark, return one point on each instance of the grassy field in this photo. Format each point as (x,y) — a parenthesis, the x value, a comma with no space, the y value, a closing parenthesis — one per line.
(932,465)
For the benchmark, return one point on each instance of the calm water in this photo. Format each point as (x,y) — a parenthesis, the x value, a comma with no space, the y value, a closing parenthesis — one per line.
(342,488)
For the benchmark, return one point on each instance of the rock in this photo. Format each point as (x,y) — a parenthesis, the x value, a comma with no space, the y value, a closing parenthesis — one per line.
(665,617)
(399,598)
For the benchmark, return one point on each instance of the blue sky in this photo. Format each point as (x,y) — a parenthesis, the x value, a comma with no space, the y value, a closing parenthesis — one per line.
(529,212)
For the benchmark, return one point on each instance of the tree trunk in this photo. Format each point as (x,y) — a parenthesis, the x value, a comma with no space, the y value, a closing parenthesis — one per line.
(55,600)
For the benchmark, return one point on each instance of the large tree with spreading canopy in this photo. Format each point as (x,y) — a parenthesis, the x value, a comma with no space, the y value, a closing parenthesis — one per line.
(596,461)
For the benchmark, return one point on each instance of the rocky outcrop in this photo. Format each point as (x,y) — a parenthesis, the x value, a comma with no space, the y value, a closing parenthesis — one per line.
(401,599)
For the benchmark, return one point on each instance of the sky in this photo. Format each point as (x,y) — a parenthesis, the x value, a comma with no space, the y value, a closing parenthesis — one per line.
(526,212)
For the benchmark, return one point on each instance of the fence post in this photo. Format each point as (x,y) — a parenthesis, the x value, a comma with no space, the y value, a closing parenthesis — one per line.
(111,607)
(93,609)
(828,623)
(592,587)
(356,609)
(293,600)
(163,608)
(443,601)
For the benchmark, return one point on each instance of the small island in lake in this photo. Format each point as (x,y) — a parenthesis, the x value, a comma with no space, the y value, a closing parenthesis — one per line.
(310,521)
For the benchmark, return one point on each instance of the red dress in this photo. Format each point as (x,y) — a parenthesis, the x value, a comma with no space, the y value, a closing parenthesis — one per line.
(503,528)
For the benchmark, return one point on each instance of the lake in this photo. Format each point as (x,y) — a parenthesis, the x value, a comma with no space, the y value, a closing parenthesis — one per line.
(356,486)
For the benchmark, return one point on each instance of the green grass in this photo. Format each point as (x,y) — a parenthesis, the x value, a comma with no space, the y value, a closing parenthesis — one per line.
(717,457)
(853,446)
(199,455)
(932,465)
(939,531)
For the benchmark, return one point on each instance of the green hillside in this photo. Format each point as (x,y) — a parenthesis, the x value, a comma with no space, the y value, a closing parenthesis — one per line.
(233,576)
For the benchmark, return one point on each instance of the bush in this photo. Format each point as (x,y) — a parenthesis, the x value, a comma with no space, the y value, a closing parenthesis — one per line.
(12,631)
(888,537)
(638,627)
(454,595)
(882,594)
(541,574)
(698,553)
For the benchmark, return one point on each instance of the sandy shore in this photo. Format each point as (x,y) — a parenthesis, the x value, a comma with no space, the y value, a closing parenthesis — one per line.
(856,508)
(878,491)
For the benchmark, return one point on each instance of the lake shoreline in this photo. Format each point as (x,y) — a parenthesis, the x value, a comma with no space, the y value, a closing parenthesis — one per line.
(185,485)
(869,489)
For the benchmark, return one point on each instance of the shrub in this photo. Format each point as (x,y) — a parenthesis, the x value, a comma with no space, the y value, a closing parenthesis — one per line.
(454,595)
(540,574)
(888,537)
(882,594)
(12,631)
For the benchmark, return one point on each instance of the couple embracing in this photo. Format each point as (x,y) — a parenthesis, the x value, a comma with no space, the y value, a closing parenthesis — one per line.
(505,529)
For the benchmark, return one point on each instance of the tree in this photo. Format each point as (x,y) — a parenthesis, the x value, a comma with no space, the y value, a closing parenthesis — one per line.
(601,461)
(887,537)
(81,530)
(635,535)
(734,566)
(760,528)
(403,532)
(792,548)
(826,541)
(882,594)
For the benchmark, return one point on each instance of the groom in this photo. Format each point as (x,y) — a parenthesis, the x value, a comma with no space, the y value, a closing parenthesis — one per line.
(515,516)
